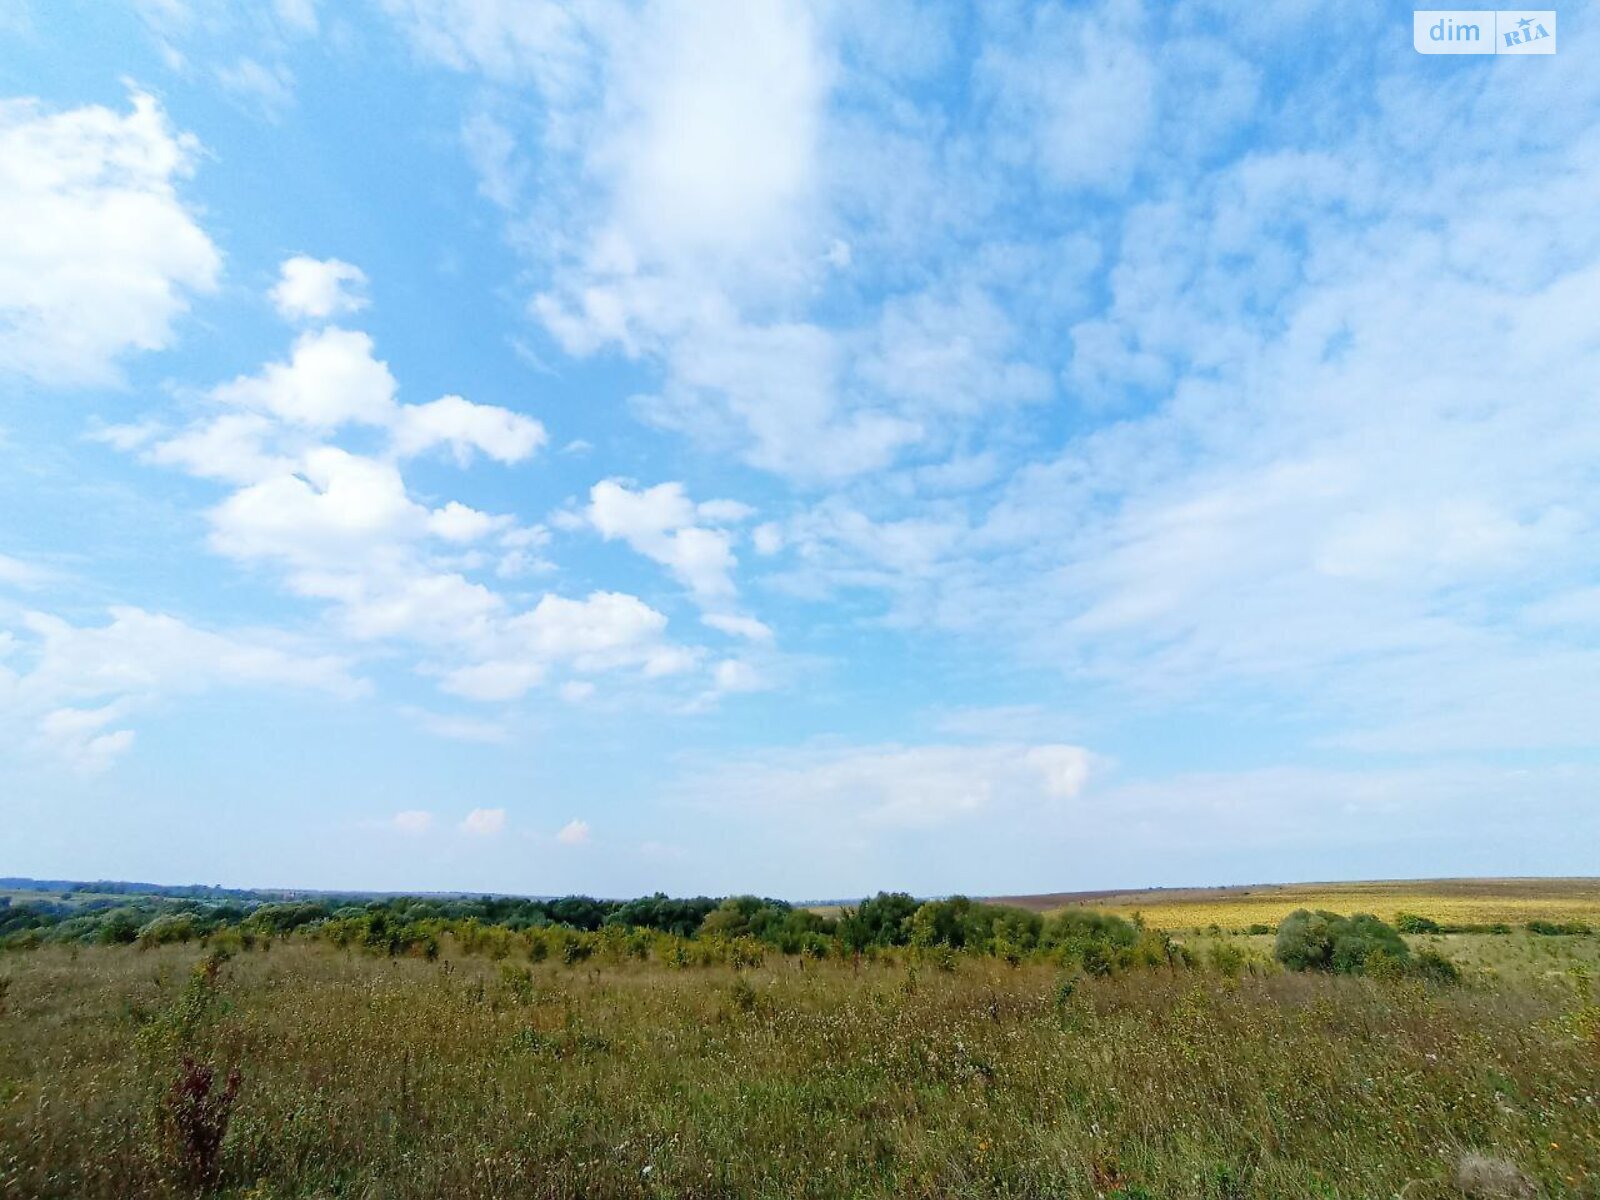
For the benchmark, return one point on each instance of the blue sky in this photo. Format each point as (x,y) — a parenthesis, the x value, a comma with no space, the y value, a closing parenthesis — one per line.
(496,445)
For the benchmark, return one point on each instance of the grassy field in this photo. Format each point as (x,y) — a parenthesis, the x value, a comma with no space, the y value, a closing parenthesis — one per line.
(1448,901)
(366,1076)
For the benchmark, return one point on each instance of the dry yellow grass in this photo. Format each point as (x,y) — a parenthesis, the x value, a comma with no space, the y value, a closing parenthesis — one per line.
(1448,901)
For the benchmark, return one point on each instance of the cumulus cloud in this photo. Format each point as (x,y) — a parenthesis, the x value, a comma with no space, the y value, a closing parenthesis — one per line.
(660,523)
(331,379)
(345,528)
(338,505)
(112,254)
(573,833)
(605,631)
(499,433)
(315,289)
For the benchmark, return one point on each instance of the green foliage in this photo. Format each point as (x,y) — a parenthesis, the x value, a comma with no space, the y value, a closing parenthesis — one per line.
(119,927)
(172,927)
(660,912)
(1324,941)
(1435,967)
(1099,942)
(1227,958)
(883,920)
(1412,923)
(1559,928)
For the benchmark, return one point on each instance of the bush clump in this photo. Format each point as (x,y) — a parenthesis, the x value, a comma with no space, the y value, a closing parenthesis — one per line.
(1325,941)
(1412,923)
(1558,928)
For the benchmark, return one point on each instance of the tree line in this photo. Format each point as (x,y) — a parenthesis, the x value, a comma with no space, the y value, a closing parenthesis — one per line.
(575,926)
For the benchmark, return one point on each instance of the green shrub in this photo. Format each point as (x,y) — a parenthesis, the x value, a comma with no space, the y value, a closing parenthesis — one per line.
(1325,941)
(1227,958)
(1558,929)
(1435,967)
(1098,942)
(179,927)
(1412,923)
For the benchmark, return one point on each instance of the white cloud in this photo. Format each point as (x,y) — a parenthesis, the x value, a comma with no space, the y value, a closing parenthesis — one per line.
(75,735)
(334,379)
(594,628)
(315,289)
(717,148)
(484,822)
(141,652)
(298,15)
(455,522)
(1075,93)
(331,379)
(233,447)
(344,529)
(1340,480)
(659,523)
(503,435)
(573,833)
(338,506)
(495,680)
(112,255)
(876,788)
(701,233)
(767,538)
(736,675)
(1065,769)
(736,626)
(492,150)
(80,680)
(18,574)
(606,631)
(414,821)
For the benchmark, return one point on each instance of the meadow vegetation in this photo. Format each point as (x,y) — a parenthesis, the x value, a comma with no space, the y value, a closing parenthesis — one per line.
(745,1048)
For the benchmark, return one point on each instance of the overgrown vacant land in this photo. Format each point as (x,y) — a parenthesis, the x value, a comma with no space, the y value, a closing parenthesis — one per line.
(1332,1059)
